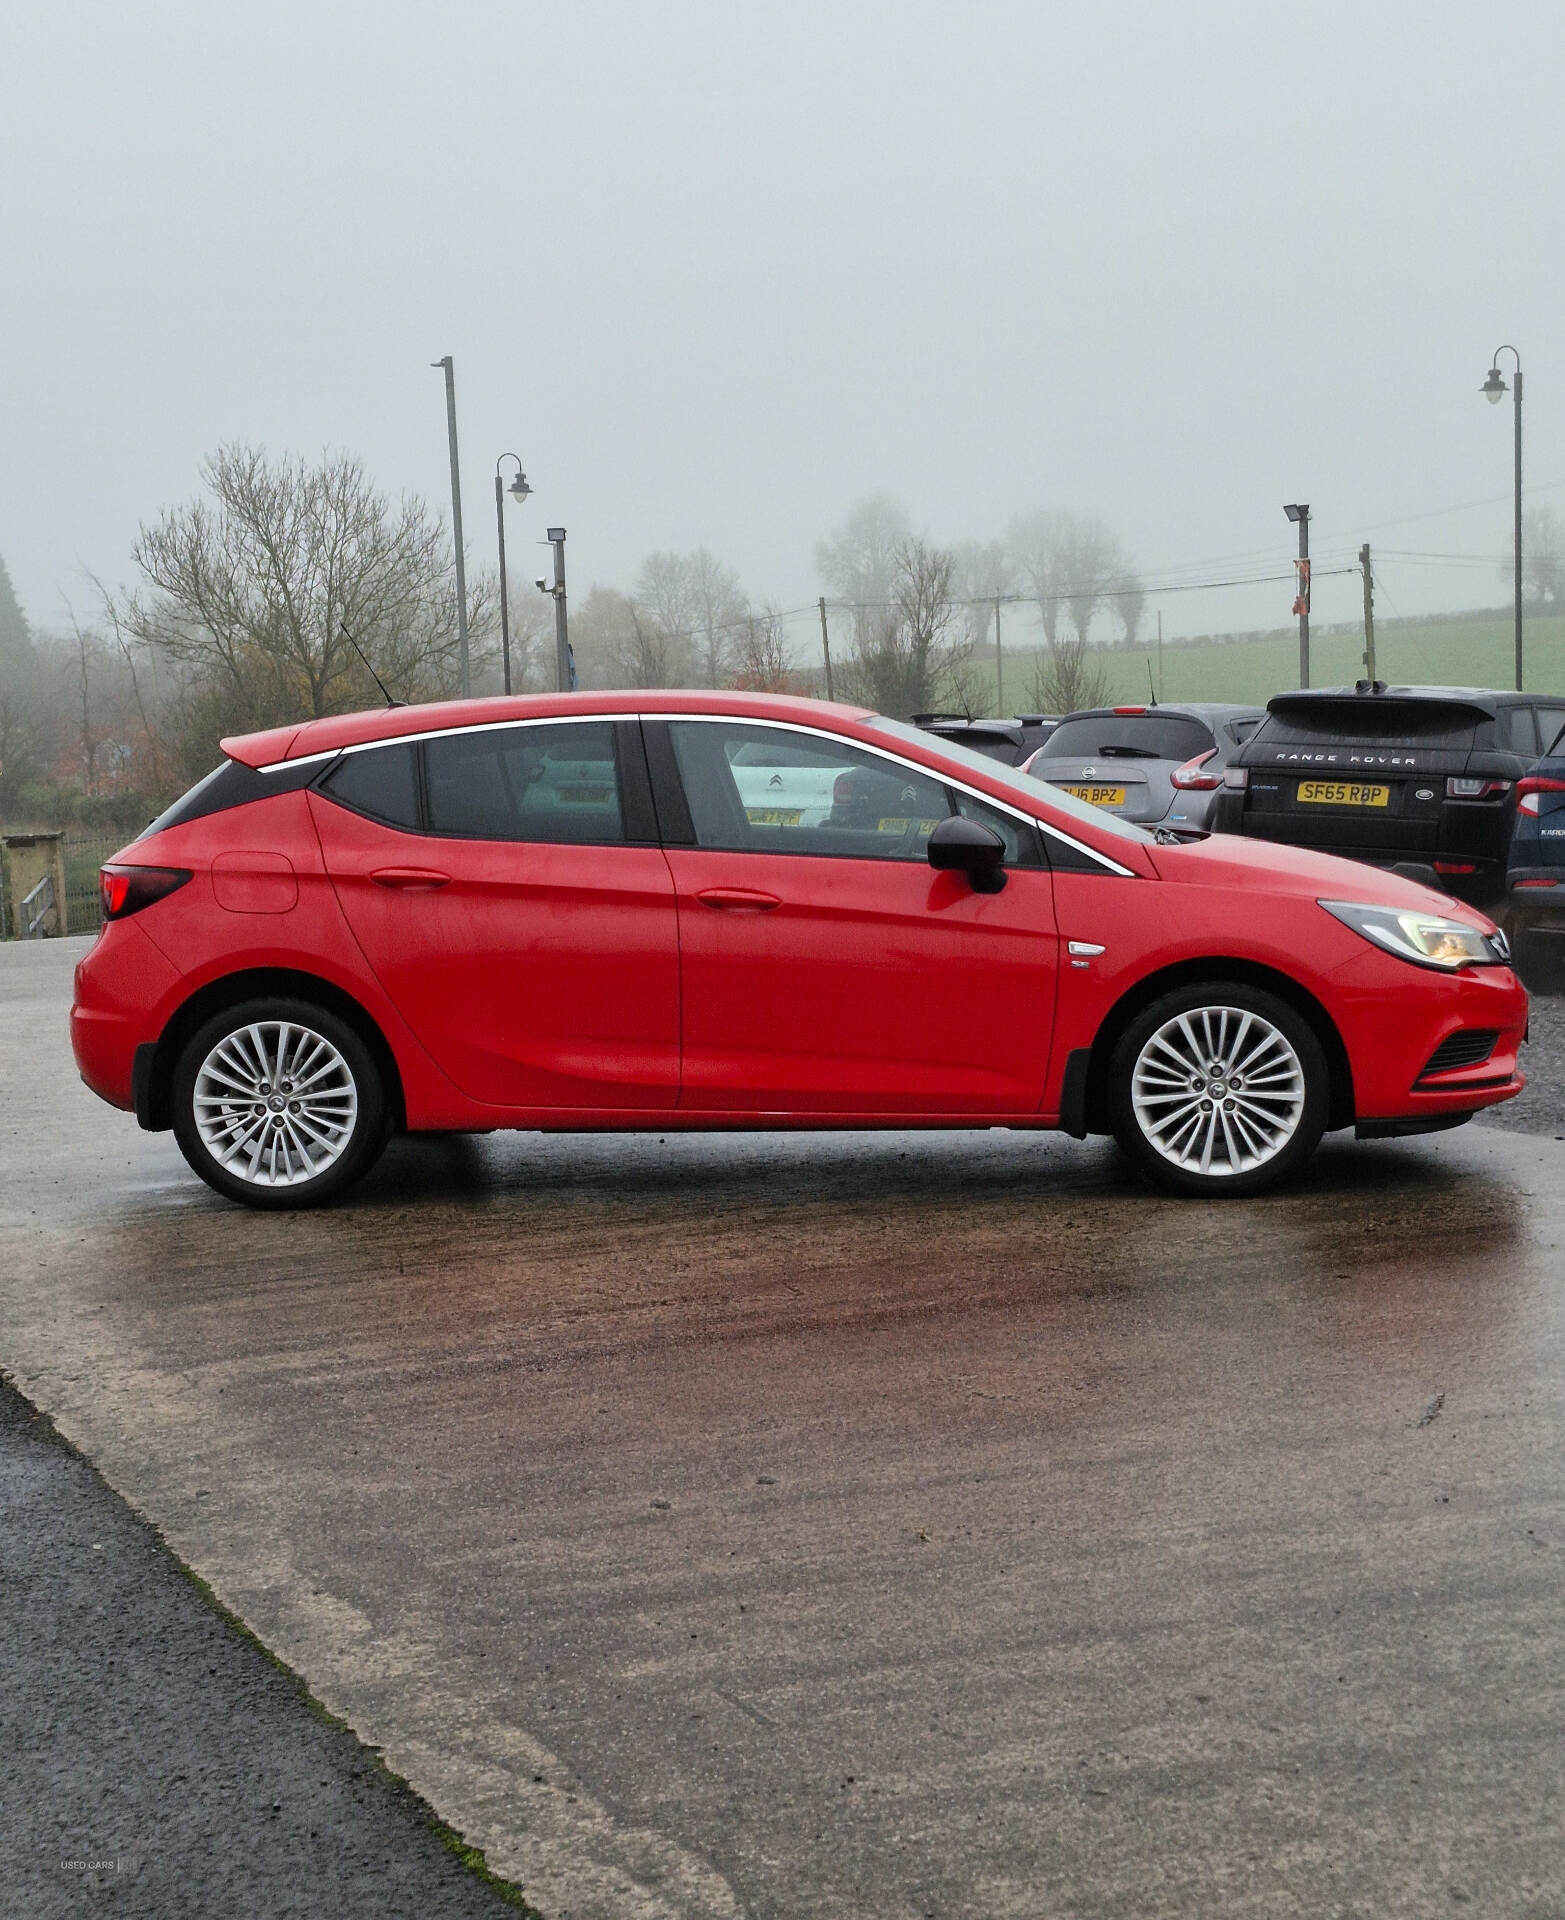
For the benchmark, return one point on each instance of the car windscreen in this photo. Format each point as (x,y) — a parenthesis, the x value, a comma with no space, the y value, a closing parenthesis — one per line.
(1373,721)
(1128,736)
(1028,791)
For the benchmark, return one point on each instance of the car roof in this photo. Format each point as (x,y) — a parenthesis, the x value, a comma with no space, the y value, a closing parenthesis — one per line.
(340,730)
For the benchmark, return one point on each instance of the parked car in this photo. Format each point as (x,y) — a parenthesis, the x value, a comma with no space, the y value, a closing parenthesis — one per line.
(1417,776)
(1010,741)
(1159,766)
(1536,869)
(571,913)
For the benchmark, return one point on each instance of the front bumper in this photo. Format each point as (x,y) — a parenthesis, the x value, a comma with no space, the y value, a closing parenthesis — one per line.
(1391,1033)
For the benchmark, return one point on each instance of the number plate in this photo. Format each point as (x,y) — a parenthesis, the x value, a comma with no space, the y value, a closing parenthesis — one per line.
(584,796)
(1094,796)
(774,816)
(1344,793)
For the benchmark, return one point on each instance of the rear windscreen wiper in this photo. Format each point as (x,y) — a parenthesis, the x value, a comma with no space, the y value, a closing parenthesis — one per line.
(1130,753)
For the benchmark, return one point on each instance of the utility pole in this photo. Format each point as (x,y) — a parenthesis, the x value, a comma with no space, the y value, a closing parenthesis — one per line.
(826,648)
(999,662)
(1491,389)
(1160,655)
(1369,610)
(456,527)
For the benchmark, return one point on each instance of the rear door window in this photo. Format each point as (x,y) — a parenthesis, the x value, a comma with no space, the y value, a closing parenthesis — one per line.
(556,783)
(1521,732)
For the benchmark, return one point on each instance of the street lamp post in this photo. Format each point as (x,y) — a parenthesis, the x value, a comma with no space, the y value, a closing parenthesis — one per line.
(1492,388)
(1300,514)
(456,526)
(519,491)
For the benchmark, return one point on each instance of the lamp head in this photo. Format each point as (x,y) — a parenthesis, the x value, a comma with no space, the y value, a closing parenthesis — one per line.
(1297,512)
(1493,387)
(519,488)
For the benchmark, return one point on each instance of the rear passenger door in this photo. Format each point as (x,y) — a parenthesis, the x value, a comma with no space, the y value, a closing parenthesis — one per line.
(506,886)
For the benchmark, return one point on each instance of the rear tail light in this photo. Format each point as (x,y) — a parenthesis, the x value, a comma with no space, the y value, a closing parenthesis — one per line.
(1455,866)
(1190,774)
(126,890)
(1475,789)
(1527,792)
(1535,883)
(842,790)
(1236,779)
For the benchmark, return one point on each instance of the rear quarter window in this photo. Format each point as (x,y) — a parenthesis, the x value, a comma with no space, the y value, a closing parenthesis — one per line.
(380,781)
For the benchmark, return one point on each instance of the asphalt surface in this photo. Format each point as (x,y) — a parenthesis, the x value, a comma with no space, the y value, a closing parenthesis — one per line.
(155,1761)
(863,1525)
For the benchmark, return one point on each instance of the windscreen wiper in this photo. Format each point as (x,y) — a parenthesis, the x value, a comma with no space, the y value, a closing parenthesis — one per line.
(1130,753)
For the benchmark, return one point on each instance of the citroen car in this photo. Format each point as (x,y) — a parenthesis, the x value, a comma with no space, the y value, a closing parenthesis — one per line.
(580,912)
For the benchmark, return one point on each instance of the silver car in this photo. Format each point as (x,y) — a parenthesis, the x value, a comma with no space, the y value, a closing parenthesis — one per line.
(1159,766)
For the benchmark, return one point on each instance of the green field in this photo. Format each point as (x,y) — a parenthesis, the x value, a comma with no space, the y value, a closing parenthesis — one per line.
(1475,651)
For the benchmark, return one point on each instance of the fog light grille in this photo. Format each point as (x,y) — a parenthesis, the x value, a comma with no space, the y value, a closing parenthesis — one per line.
(1469,1048)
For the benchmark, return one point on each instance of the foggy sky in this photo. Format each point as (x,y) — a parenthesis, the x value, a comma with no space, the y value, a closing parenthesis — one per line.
(715,271)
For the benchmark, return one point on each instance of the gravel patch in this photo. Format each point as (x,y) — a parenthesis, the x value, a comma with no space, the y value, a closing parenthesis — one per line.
(1541,1109)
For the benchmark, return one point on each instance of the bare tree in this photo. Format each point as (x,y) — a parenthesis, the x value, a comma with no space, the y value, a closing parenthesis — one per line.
(1543,557)
(619,642)
(254,585)
(1089,560)
(1128,598)
(911,658)
(699,604)
(981,574)
(1036,543)
(760,655)
(1068,676)
(861,560)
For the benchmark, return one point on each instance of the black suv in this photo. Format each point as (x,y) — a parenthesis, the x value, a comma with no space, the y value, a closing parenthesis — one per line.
(1399,776)
(1009,741)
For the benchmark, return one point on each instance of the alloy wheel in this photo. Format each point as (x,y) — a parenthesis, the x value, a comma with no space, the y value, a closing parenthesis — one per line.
(275,1103)
(1218,1090)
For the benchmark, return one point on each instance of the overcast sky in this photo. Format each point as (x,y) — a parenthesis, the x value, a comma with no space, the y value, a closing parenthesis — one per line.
(716,270)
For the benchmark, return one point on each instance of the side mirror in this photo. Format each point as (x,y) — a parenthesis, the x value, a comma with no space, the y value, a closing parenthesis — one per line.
(962,845)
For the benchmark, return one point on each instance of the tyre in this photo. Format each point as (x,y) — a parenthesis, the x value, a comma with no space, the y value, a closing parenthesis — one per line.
(1218,1089)
(279,1104)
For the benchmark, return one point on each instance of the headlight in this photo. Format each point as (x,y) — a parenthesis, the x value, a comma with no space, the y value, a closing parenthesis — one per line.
(1427,939)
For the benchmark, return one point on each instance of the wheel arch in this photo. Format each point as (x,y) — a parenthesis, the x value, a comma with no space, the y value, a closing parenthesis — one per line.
(1249,973)
(155,1084)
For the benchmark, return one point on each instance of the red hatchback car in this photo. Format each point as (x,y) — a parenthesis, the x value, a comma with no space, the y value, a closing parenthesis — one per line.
(702,910)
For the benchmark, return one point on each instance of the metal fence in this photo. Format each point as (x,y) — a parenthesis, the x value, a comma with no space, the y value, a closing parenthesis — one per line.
(85,850)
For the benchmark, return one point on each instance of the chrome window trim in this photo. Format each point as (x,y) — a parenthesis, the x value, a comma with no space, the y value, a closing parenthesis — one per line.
(1108,864)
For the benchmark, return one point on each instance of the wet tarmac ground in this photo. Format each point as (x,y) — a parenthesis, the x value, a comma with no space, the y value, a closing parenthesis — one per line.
(858,1525)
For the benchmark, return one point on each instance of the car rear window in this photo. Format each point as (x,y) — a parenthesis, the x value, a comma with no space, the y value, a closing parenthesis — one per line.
(1132,736)
(1372,721)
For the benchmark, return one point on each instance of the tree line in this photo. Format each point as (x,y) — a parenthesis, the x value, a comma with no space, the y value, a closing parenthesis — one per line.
(286,588)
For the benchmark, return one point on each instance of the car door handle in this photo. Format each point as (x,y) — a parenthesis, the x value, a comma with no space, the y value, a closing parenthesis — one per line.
(738,900)
(410,879)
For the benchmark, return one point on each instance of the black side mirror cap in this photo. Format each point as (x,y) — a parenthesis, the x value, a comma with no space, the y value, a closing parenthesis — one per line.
(964,846)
